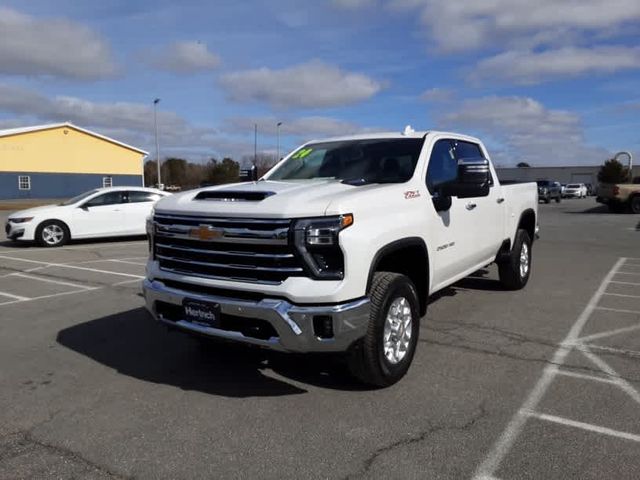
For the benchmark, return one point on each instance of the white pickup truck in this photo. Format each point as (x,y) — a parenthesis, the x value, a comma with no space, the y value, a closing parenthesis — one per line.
(339,246)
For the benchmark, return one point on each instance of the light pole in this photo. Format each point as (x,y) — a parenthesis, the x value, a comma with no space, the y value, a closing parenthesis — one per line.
(278,141)
(155,121)
(630,164)
(255,143)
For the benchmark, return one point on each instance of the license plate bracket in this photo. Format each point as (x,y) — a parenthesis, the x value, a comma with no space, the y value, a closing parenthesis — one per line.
(201,313)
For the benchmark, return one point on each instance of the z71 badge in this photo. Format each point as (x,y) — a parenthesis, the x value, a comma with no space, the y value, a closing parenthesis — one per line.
(411,194)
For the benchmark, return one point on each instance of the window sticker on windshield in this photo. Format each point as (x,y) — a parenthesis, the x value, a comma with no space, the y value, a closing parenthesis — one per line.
(303,153)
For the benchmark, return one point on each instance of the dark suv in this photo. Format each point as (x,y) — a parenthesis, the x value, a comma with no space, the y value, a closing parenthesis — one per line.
(548,190)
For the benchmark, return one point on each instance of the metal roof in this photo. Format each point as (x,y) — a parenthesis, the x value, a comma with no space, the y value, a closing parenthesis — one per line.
(35,128)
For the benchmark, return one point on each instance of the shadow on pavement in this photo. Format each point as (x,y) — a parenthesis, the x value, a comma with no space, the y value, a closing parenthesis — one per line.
(135,345)
(593,210)
(98,241)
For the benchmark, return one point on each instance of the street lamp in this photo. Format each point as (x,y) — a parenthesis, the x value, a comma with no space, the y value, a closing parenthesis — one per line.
(278,142)
(630,163)
(255,143)
(155,121)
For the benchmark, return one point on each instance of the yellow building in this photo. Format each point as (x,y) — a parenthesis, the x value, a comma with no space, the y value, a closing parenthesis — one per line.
(62,160)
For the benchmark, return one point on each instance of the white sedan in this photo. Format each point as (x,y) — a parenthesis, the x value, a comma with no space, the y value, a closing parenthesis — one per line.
(103,212)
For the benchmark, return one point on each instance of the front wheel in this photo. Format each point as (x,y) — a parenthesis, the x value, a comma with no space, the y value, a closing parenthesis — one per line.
(384,355)
(634,204)
(52,233)
(516,269)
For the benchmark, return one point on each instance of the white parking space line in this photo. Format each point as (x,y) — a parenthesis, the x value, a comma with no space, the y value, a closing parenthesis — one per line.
(15,297)
(623,283)
(620,351)
(584,376)
(622,295)
(63,265)
(48,280)
(609,333)
(43,297)
(585,426)
(618,310)
(129,262)
(606,368)
(504,444)
(628,273)
(95,246)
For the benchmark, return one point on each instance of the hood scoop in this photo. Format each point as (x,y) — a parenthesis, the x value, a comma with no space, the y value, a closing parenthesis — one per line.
(232,196)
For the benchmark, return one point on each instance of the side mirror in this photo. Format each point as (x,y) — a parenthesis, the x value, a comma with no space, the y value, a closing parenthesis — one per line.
(249,175)
(473,179)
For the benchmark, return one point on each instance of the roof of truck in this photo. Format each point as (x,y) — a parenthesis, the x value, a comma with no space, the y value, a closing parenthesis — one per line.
(397,134)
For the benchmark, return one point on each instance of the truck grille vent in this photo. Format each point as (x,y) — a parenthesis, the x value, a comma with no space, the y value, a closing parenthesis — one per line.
(238,249)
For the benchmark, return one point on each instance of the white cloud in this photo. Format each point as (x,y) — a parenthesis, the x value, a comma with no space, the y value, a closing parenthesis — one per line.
(125,121)
(56,47)
(534,67)
(436,94)
(186,57)
(352,4)
(471,25)
(526,131)
(311,84)
(305,127)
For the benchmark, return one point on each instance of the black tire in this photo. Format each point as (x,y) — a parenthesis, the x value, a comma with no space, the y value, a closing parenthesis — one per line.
(45,240)
(511,275)
(367,360)
(634,204)
(558,199)
(547,200)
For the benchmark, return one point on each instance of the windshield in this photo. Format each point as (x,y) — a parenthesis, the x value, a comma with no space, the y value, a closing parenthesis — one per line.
(573,185)
(357,161)
(77,198)
(543,183)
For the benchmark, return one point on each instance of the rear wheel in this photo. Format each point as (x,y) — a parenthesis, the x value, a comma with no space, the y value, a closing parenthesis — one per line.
(634,204)
(384,355)
(558,198)
(547,200)
(516,269)
(52,233)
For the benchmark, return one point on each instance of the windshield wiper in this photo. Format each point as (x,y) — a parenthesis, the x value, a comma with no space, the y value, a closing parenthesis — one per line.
(356,181)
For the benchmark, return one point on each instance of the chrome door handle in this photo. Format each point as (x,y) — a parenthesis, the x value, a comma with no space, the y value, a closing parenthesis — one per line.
(471,206)
(500,200)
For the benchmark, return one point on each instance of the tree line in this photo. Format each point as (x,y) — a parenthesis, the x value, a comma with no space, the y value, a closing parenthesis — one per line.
(186,174)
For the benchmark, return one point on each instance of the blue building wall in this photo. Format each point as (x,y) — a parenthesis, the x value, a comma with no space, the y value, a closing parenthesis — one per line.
(59,185)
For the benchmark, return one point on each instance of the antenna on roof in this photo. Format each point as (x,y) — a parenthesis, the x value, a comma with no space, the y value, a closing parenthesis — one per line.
(408,130)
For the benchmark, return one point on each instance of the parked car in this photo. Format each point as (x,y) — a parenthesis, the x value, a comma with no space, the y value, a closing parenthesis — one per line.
(620,197)
(103,212)
(339,246)
(548,190)
(576,190)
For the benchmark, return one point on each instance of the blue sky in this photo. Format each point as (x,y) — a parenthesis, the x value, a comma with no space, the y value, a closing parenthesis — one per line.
(547,82)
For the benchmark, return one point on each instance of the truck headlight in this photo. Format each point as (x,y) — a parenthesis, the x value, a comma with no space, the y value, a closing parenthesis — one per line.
(317,241)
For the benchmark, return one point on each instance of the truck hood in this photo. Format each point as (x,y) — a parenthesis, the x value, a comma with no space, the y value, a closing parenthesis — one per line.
(263,199)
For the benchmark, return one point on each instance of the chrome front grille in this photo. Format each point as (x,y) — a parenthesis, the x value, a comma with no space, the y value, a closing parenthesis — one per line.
(247,250)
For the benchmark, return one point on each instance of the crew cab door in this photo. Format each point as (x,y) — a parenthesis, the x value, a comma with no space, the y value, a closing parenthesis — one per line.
(486,214)
(469,232)
(449,234)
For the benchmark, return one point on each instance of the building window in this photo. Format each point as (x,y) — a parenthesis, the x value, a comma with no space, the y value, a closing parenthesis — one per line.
(24,182)
(107,182)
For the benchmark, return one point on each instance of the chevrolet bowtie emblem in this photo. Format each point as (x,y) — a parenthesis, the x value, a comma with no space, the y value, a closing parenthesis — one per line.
(205,232)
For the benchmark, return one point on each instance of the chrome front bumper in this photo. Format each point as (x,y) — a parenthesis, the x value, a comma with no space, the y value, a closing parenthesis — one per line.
(294,324)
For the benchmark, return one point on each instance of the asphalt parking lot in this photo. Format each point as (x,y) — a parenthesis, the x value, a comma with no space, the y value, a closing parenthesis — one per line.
(541,383)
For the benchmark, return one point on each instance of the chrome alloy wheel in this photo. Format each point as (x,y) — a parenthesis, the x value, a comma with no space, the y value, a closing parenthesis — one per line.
(524,260)
(52,234)
(397,330)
